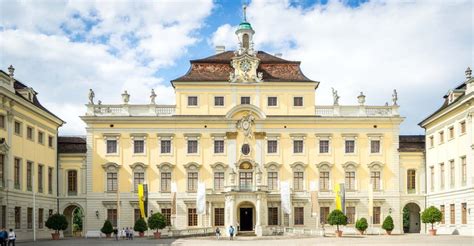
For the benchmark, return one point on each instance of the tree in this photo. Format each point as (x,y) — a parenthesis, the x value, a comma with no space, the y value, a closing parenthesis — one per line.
(157,221)
(361,224)
(406,219)
(107,228)
(337,217)
(388,223)
(431,215)
(57,222)
(77,217)
(140,225)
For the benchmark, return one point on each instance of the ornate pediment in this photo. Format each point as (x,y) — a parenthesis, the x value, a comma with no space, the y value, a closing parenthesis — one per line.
(245,69)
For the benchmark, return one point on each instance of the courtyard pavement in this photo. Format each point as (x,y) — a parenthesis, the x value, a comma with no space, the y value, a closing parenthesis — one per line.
(410,239)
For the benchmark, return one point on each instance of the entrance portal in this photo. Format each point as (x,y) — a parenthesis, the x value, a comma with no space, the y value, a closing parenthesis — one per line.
(74,217)
(246,219)
(412,211)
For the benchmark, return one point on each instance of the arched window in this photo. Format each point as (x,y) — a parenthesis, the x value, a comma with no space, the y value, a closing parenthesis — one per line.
(138,174)
(166,169)
(298,176)
(111,170)
(245,41)
(324,176)
(193,176)
(272,175)
(350,182)
(219,175)
(376,175)
(72,182)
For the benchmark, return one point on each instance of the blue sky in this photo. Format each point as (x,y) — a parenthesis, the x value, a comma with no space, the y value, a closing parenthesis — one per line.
(62,47)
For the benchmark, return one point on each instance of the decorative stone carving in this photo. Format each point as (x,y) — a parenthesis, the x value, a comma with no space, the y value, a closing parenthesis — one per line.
(468,73)
(152,97)
(361,99)
(11,71)
(125,97)
(335,97)
(245,124)
(395,97)
(91,96)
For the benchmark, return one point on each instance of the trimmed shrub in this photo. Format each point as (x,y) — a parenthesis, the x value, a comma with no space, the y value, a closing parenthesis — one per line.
(57,222)
(107,228)
(140,225)
(337,217)
(406,219)
(361,224)
(431,215)
(157,221)
(388,223)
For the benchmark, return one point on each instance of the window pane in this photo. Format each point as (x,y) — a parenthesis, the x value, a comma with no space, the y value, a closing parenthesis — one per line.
(350,213)
(165,146)
(324,181)
(245,100)
(299,216)
(219,180)
(297,101)
(350,146)
(192,146)
(272,216)
(272,180)
(72,183)
(272,146)
(218,146)
(324,146)
(165,182)
(350,181)
(298,181)
(192,101)
(192,217)
(139,146)
(218,101)
(375,146)
(166,212)
(138,178)
(111,146)
(298,146)
(192,181)
(218,216)
(272,101)
(111,181)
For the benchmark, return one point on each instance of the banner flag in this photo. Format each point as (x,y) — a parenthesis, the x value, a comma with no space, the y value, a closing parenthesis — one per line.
(174,190)
(313,186)
(337,192)
(141,200)
(285,197)
(342,190)
(201,198)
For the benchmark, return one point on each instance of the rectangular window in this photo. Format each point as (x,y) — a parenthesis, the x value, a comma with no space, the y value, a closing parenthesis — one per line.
(272,180)
(138,178)
(218,146)
(375,146)
(431,141)
(40,137)
(451,132)
(244,100)
(441,137)
(441,174)
(17,217)
(432,174)
(17,126)
(350,146)
(463,170)
(17,173)
(375,179)
(323,146)
(411,181)
(138,146)
(29,133)
(350,213)
(192,101)
(452,214)
(451,173)
(29,175)
(462,127)
(218,216)
(29,218)
(297,146)
(272,216)
(272,102)
(192,146)
(72,183)
(323,215)
(165,146)
(218,101)
(350,181)
(166,212)
(442,214)
(112,216)
(218,180)
(2,121)
(272,146)
(298,101)
(245,181)
(50,141)
(111,146)
(376,215)
(192,181)
(463,213)
(299,215)
(40,218)
(298,181)
(165,182)
(323,181)
(192,217)
(2,170)
(136,214)
(111,182)
(50,180)
(40,178)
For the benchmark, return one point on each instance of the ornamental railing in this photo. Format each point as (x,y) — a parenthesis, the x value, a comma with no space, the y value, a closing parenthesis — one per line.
(130,110)
(357,111)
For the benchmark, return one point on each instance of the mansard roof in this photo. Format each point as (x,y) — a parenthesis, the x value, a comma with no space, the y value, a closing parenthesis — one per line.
(72,145)
(216,68)
(411,143)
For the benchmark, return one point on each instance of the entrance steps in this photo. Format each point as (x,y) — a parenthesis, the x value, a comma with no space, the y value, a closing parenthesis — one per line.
(246,234)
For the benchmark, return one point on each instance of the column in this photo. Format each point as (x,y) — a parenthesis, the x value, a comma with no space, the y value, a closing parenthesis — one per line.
(258,216)
(229,213)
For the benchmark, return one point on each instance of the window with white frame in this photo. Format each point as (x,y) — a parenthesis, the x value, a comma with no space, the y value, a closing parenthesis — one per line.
(350,146)
(451,173)
(17,128)
(324,176)
(375,146)
(218,180)
(219,101)
(192,170)
(376,169)
(272,146)
(462,127)
(111,170)
(324,146)
(431,141)
(112,145)
(192,146)
(165,176)
(272,180)
(463,170)
(298,147)
(218,146)
(138,175)
(451,132)
(298,176)
(244,100)
(350,169)
(165,146)
(411,180)
(192,100)
(139,146)
(30,133)
(40,137)
(272,101)
(298,101)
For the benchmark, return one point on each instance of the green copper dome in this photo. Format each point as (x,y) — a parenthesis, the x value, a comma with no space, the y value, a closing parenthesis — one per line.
(245,25)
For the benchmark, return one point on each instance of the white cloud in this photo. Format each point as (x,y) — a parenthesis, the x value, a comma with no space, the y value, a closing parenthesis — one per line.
(63,48)
(421,48)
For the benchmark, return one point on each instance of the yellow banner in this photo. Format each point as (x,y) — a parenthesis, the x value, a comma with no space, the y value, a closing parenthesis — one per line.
(141,200)
(337,191)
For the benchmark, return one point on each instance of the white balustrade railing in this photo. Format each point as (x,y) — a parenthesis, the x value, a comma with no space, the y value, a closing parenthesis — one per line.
(356,111)
(130,110)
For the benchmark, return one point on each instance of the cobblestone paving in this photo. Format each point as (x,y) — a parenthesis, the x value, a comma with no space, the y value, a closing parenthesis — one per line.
(397,240)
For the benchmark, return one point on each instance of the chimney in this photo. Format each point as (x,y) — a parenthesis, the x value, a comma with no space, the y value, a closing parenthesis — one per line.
(220,49)
(279,55)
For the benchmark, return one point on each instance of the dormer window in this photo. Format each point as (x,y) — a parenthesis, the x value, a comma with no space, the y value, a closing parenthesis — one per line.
(28,93)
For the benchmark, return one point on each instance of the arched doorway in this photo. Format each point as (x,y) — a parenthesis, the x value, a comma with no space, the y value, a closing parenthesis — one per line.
(411,218)
(75,218)
(246,216)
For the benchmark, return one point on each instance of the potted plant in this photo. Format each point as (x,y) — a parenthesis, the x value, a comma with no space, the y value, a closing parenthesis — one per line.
(107,228)
(388,225)
(56,222)
(406,220)
(157,221)
(140,226)
(361,225)
(431,215)
(337,217)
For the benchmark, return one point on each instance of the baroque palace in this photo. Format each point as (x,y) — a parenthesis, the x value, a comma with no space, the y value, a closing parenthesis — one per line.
(244,145)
